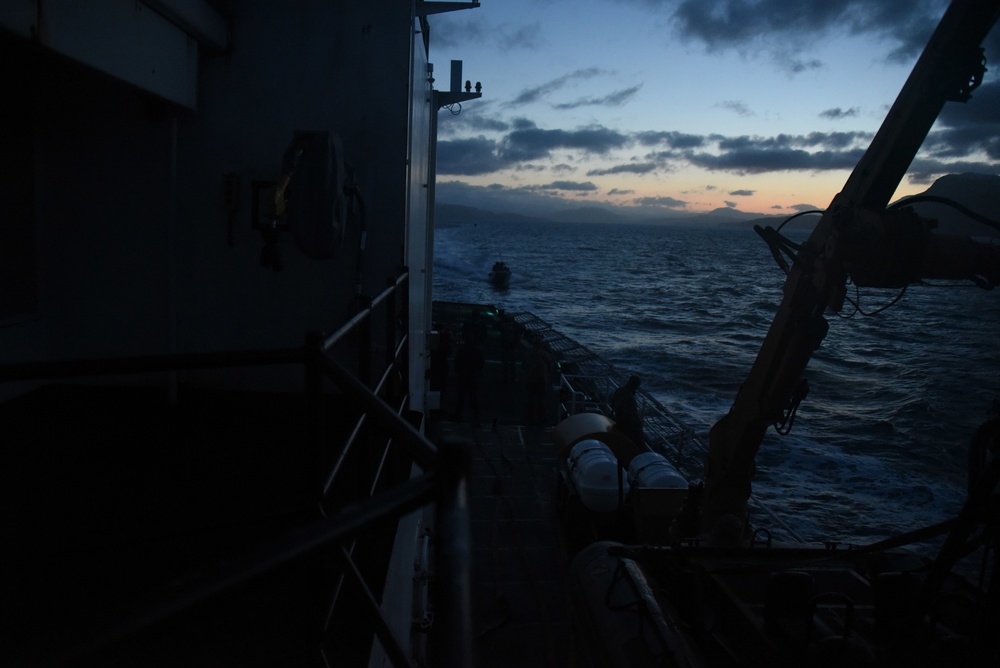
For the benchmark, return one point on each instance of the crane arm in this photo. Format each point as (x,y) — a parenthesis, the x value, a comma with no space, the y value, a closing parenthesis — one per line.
(856,236)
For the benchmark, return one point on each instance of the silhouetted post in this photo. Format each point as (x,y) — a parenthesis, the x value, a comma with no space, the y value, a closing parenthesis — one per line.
(451,635)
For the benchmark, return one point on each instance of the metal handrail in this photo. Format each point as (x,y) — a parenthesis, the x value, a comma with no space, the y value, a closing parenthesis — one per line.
(352,324)
(49,370)
(352,521)
(356,430)
(417,446)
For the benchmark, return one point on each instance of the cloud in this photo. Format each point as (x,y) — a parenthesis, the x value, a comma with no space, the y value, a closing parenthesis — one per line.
(535,94)
(926,171)
(741,193)
(566,185)
(450,31)
(804,207)
(627,168)
(532,143)
(619,191)
(738,107)
(671,139)
(526,143)
(456,31)
(744,154)
(614,99)
(781,27)
(756,160)
(468,157)
(966,138)
(829,140)
(660,202)
(729,204)
(970,127)
(528,36)
(466,121)
(836,113)
(797,65)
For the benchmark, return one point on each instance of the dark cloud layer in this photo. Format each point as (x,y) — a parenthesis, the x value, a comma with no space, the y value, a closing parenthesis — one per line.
(743,24)
(677,140)
(965,137)
(585,186)
(468,157)
(531,143)
(527,143)
(627,168)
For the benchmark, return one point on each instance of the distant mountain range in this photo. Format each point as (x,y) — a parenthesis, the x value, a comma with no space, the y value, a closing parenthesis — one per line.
(451,214)
(978,192)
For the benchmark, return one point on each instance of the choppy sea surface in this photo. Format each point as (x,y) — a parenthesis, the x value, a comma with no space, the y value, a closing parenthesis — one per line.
(879,446)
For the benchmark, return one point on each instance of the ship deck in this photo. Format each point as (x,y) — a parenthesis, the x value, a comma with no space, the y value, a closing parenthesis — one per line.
(520,600)
(524,532)
(520,596)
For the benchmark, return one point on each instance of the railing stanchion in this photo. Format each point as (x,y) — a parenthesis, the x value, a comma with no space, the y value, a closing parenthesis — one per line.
(315,414)
(391,332)
(452,633)
(365,342)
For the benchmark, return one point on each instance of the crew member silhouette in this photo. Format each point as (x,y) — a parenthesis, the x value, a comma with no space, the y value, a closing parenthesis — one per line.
(626,413)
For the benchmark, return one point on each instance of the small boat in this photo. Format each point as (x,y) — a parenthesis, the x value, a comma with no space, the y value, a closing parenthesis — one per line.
(500,275)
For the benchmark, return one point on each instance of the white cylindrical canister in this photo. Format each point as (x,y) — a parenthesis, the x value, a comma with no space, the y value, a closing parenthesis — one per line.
(594,471)
(651,469)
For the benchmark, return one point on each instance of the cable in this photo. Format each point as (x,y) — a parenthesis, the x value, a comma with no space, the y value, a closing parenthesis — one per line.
(796,215)
(856,303)
(989,222)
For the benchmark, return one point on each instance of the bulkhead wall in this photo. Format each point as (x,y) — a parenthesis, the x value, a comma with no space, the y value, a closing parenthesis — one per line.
(339,67)
(131,216)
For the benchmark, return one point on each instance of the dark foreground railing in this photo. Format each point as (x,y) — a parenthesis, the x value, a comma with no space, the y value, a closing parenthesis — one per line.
(440,477)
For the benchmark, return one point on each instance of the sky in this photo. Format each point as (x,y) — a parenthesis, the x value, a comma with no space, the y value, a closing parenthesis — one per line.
(668,107)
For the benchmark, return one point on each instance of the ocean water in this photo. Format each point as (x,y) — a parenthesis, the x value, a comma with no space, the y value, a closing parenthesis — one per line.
(880,444)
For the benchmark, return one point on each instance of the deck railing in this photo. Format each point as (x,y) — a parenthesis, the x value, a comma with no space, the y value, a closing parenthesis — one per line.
(385,402)
(589,388)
